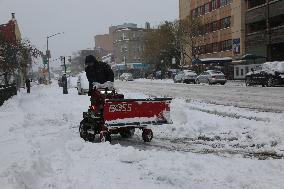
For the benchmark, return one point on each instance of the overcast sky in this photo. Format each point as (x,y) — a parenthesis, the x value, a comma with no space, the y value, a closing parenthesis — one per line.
(81,20)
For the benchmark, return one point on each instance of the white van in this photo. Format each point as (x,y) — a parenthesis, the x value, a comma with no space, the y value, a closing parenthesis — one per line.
(82,84)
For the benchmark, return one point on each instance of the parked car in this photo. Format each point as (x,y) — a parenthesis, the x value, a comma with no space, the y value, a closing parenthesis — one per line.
(270,74)
(185,76)
(126,77)
(82,84)
(211,77)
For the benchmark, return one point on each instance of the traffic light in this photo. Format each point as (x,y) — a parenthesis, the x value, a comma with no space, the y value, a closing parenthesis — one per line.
(44,59)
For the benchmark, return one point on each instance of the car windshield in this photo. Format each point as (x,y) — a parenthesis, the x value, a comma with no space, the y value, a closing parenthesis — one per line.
(189,72)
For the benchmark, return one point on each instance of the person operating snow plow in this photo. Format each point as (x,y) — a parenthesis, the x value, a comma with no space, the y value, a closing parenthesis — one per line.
(97,72)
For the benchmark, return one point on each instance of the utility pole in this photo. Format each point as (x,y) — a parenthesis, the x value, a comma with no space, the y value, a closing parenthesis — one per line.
(268,33)
(64,63)
(47,54)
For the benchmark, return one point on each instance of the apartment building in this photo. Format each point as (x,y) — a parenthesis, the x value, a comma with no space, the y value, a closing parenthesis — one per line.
(10,31)
(104,41)
(128,44)
(222,27)
(265,28)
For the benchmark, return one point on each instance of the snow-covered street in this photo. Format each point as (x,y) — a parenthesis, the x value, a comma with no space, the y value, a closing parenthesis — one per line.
(211,144)
(232,93)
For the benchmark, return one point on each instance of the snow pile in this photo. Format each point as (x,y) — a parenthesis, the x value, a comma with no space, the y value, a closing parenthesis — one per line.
(274,66)
(234,129)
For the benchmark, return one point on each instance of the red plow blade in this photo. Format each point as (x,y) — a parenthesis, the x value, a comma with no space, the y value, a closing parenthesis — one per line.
(125,112)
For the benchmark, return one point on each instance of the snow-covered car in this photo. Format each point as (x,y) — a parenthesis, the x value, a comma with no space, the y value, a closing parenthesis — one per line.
(211,77)
(126,77)
(82,84)
(185,76)
(270,74)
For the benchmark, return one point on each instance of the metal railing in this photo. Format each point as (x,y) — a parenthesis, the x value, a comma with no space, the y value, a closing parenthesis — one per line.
(6,92)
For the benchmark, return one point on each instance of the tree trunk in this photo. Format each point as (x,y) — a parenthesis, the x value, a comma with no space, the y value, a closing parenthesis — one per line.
(6,78)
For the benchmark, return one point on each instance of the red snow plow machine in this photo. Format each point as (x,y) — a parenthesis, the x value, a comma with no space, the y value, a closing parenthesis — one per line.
(109,113)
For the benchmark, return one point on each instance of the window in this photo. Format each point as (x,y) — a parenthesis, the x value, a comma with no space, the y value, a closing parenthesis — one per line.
(226,22)
(208,27)
(216,47)
(194,13)
(225,2)
(201,30)
(202,49)
(226,45)
(123,36)
(215,25)
(254,3)
(214,4)
(194,50)
(242,72)
(256,26)
(209,48)
(206,8)
(200,10)
(123,49)
(237,71)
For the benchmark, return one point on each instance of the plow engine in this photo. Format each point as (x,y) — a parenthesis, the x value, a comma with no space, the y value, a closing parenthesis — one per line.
(110,113)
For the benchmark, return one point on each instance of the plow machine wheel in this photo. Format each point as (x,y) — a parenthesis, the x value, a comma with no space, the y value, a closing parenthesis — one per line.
(83,130)
(127,133)
(147,135)
(105,136)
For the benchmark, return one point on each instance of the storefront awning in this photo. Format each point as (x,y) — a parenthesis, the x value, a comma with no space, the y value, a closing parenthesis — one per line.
(224,60)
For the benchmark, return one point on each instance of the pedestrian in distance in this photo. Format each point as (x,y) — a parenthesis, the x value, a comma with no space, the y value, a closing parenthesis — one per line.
(28,85)
(64,84)
(97,71)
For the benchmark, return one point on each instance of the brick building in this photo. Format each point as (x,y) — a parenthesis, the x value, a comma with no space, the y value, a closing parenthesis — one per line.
(265,28)
(10,31)
(222,31)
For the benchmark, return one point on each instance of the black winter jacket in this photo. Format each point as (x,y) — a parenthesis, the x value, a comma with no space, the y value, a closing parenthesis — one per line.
(99,72)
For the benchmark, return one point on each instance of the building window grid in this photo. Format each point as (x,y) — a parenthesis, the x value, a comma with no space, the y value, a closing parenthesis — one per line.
(208,7)
(213,47)
(215,26)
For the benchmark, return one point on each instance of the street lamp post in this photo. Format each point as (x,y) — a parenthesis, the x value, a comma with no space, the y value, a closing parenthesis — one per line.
(48,53)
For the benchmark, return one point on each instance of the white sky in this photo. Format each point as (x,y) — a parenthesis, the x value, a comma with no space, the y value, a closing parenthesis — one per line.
(81,20)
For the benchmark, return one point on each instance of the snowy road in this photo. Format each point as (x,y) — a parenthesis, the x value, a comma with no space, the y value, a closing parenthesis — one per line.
(232,93)
(207,146)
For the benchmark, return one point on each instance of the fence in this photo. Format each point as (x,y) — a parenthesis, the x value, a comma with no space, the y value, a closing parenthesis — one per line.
(6,92)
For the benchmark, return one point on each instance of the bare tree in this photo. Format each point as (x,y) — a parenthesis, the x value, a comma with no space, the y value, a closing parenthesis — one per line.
(15,56)
(172,40)
(187,32)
